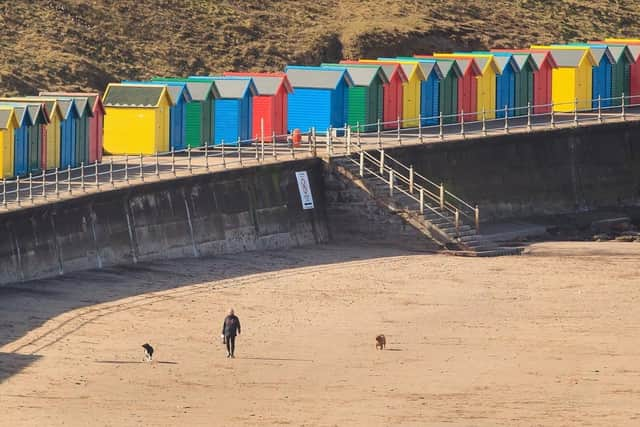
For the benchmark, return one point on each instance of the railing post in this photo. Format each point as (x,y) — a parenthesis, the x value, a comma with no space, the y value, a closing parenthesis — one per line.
(457,220)
(31,187)
(484,122)
(399,137)
(506,119)
(224,161)
(575,113)
(291,147)
(361,163)
(313,142)
(348,140)
(126,168)
(462,123)
(69,179)
(381,162)
(273,146)
(44,184)
(255,145)
(328,141)
(206,156)
(111,181)
(18,190)
(420,137)
(391,182)
(239,152)
(477,218)
(599,109)
(411,179)
(379,133)
(189,169)
(622,111)
(529,116)
(141,168)
(262,138)
(4,192)
(82,177)
(441,127)
(553,117)
(441,196)
(421,201)
(97,170)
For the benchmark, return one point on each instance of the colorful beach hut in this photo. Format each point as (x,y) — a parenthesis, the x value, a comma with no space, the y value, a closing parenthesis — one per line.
(319,97)
(96,122)
(8,126)
(572,78)
(505,83)
(20,139)
(486,85)
(392,92)
(180,97)
(634,69)
(623,59)
(270,105)
(365,97)
(36,132)
(137,119)
(233,109)
(524,80)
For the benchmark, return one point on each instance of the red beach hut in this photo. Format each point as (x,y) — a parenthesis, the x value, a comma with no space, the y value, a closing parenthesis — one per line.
(270,106)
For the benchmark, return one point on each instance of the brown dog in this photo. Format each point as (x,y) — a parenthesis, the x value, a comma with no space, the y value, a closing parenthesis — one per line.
(381,342)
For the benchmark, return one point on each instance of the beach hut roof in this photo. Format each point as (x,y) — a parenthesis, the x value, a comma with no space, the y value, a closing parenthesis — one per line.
(504,60)
(389,68)
(54,105)
(483,61)
(566,56)
(598,51)
(232,87)
(124,95)
(93,98)
(7,115)
(363,76)
(410,66)
(317,77)
(37,110)
(268,84)
(176,90)
(619,50)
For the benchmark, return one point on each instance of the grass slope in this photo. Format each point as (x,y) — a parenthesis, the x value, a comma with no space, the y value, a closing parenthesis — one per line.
(84,44)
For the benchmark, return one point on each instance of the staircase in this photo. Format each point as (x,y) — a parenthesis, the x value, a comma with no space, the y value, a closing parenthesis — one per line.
(428,207)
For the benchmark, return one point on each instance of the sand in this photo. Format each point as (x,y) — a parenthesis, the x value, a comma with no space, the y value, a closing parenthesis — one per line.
(550,338)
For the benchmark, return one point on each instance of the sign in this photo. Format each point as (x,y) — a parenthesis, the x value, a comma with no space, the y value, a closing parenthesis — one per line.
(305,190)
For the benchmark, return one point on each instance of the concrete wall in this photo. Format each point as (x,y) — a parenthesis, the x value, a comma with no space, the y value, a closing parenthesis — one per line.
(220,213)
(541,173)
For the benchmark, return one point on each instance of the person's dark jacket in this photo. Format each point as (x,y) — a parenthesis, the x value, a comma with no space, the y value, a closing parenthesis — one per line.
(231,326)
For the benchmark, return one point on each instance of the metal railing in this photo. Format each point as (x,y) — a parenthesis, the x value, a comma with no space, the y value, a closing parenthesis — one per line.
(125,170)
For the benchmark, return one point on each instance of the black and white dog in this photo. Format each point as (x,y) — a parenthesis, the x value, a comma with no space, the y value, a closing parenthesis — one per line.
(148,352)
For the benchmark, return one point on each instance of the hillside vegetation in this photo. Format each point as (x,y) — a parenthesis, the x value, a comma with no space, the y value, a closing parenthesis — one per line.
(84,44)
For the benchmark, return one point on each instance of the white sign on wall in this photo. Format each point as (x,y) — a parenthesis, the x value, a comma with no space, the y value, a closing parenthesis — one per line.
(305,190)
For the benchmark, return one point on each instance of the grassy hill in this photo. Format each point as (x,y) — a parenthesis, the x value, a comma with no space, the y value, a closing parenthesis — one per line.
(82,44)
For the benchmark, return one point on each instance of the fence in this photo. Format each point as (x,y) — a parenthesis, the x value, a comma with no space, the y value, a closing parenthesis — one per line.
(127,170)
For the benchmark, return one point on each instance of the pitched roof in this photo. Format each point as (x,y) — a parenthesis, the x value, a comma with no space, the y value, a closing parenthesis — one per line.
(632,44)
(362,76)
(503,60)
(144,96)
(483,61)
(410,66)
(231,87)
(317,77)
(618,50)
(22,114)
(7,114)
(540,57)
(524,59)
(93,98)
(267,84)
(389,68)
(599,51)
(55,105)
(200,90)
(567,56)
(38,112)
(176,90)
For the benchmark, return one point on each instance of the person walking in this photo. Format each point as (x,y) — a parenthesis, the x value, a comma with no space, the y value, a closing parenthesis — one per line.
(230,328)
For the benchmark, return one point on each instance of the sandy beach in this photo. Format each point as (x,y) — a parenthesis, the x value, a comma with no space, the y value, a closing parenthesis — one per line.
(550,338)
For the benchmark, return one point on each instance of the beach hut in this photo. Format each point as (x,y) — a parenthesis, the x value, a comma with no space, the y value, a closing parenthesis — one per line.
(572,78)
(486,85)
(505,83)
(601,83)
(8,125)
(36,133)
(96,122)
(200,112)
(365,97)
(623,59)
(20,138)
(233,109)
(319,97)
(180,97)
(467,86)
(524,80)
(137,119)
(392,92)
(634,68)
(270,105)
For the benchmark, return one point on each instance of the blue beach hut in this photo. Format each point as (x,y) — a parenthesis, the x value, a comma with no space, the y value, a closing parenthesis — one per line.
(21,141)
(601,80)
(319,98)
(505,82)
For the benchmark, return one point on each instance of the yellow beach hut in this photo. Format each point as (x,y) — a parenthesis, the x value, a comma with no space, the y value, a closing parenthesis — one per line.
(411,90)
(8,124)
(489,70)
(571,84)
(137,119)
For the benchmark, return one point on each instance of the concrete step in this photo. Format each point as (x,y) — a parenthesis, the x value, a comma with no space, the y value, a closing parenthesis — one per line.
(499,251)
